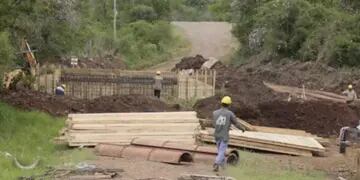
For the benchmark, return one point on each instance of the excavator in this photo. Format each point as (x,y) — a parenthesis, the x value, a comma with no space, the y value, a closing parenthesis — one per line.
(11,79)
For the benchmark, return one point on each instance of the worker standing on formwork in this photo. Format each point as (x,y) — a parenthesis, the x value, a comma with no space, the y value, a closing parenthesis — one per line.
(158,84)
(350,94)
(60,90)
(222,120)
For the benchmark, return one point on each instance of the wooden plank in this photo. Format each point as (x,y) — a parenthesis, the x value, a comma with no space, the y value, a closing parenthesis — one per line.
(247,126)
(282,131)
(134,118)
(75,144)
(142,114)
(283,140)
(128,139)
(119,135)
(263,147)
(131,121)
(299,142)
(145,129)
(140,125)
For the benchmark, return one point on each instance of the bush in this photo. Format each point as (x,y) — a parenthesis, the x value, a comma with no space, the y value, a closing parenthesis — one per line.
(143,12)
(299,29)
(221,9)
(143,43)
(6,50)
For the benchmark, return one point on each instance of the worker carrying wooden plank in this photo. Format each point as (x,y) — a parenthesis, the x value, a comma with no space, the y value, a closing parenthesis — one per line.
(222,120)
(158,84)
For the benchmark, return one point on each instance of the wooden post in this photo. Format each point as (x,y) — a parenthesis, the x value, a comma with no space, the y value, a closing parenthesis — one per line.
(196,83)
(53,83)
(357,164)
(187,88)
(46,83)
(87,89)
(206,83)
(72,88)
(179,84)
(214,82)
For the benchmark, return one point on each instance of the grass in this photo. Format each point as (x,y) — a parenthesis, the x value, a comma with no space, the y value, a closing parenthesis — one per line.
(256,167)
(28,136)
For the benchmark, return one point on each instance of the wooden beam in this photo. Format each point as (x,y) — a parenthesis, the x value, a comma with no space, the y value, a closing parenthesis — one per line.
(263,147)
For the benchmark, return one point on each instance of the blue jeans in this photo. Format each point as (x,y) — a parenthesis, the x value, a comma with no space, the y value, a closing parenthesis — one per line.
(221,148)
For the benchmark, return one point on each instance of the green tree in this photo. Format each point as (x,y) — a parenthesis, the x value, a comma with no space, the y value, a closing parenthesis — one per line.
(6,50)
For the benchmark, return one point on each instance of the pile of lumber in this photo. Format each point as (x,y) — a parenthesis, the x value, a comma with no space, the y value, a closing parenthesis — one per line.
(121,128)
(205,123)
(306,93)
(271,142)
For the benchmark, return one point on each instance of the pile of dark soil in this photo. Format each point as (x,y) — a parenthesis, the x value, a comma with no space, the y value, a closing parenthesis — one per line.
(259,105)
(317,117)
(313,75)
(190,63)
(323,118)
(128,103)
(61,106)
(32,100)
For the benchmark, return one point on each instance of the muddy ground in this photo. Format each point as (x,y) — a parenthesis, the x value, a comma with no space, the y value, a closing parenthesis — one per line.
(61,106)
(334,164)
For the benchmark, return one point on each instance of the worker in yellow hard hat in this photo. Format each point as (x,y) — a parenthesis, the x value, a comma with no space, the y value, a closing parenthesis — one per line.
(350,94)
(60,90)
(222,120)
(158,84)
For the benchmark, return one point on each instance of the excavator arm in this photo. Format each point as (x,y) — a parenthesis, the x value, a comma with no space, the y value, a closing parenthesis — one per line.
(11,78)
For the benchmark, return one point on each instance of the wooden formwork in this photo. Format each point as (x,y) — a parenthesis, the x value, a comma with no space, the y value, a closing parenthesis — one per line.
(93,83)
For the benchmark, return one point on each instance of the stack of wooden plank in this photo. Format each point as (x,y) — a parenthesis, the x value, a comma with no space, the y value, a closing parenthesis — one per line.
(279,143)
(249,127)
(121,128)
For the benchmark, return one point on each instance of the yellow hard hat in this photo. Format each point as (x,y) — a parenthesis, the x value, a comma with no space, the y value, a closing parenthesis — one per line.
(63,85)
(158,72)
(226,100)
(350,86)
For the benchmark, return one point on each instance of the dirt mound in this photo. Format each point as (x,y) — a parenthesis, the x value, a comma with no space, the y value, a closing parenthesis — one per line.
(32,100)
(190,63)
(128,103)
(318,117)
(61,106)
(323,118)
(205,107)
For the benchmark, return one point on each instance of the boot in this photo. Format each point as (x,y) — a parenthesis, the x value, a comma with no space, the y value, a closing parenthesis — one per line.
(216,168)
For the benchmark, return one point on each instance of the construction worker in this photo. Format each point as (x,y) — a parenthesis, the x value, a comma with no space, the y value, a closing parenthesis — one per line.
(222,120)
(158,84)
(60,90)
(350,94)
(345,133)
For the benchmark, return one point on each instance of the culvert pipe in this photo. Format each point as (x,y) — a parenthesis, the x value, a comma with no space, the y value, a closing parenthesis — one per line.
(199,153)
(144,153)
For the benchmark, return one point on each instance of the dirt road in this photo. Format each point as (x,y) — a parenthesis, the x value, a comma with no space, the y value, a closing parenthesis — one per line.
(210,39)
(138,169)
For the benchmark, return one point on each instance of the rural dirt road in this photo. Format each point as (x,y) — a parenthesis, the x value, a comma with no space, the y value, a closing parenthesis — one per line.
(209,39)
